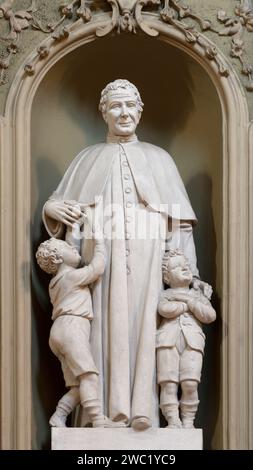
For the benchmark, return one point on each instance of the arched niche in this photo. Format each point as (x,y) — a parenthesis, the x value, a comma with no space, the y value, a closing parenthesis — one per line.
(65,119)
(49,117)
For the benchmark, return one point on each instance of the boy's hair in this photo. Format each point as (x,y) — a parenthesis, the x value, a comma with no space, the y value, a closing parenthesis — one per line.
(49,256)
(169,255)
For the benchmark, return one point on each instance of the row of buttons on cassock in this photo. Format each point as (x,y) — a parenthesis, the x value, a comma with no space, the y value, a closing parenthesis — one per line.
(126,181)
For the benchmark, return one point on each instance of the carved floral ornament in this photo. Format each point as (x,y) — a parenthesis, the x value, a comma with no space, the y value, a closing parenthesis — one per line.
(127,16)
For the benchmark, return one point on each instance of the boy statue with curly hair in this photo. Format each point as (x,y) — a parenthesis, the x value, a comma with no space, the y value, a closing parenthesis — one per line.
(70,333)
(180,340)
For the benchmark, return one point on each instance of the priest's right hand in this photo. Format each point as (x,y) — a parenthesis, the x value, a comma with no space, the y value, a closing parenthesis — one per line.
(65,212)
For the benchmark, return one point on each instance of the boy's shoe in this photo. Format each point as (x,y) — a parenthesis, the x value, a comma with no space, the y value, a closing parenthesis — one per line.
(188,423)
(57,421)
(174,423)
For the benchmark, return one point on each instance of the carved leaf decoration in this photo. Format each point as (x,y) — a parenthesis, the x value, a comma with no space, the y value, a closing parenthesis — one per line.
(30,69)
(6,6)
(103,31)
(84,13)
(33,8)
(127,22)
(242,10)
(36,25)
(235,52)
(139,19)
(232,25)
(184,11)
(12,36)
(18,24)
(222,16)
(205,24)
(43,51)
(231,30)
(249,24)
(23,15)
(127,15)
(238,42)
(237,49)
(60,35)
(247,69)
(190,36)
(67,10)
(211,52)
(5,63)
(168,14)
(12,48)
(224,72)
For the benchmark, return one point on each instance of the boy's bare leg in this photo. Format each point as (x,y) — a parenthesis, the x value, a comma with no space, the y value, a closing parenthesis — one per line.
(89,386)
(64,407)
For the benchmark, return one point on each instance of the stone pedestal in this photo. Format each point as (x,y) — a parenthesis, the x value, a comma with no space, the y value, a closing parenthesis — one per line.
(126,439)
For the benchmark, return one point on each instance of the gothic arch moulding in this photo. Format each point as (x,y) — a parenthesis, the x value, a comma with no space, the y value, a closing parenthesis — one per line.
(16,405)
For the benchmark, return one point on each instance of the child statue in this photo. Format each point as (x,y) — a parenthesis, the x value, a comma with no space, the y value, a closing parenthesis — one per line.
(180,340)
(70,332)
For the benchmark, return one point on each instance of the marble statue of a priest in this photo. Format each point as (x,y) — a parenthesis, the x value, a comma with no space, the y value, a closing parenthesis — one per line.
(134,191)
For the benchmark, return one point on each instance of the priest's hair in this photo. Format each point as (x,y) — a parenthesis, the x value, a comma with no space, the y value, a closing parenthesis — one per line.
(117,85)
(49,256)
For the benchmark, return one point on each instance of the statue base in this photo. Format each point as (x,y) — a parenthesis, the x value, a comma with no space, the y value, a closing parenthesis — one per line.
(126,439)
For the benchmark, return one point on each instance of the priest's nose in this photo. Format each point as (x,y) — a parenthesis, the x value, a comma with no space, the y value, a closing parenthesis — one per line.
(124,110)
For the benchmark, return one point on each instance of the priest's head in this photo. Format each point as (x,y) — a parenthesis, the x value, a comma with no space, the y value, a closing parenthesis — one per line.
(121,107)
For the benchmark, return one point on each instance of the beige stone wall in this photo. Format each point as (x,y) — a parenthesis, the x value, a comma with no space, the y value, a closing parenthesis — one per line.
(183,116)
(48,12)
(208,9)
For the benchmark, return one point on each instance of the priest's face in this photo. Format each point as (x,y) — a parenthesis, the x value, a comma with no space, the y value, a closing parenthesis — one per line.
(122,114)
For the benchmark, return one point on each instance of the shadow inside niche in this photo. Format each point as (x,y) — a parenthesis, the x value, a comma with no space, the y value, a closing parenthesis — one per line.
(200,193)
(163,79)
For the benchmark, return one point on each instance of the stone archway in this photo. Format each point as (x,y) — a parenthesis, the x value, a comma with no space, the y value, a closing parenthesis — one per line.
(16,401)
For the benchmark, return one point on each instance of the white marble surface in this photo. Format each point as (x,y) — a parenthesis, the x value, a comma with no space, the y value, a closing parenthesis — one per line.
(126,439)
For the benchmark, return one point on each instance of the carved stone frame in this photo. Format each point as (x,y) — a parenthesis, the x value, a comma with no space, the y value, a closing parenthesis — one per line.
(236,375)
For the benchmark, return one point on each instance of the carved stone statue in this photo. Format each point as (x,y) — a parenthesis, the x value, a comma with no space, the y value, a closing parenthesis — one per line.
(132,189)
(180,341)
(70,333)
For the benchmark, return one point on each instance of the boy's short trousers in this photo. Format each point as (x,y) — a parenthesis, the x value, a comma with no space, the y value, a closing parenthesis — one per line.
(70,342)
(178,363)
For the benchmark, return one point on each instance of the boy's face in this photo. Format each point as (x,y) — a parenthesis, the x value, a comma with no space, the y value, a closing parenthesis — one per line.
(178,273)
(69,254)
